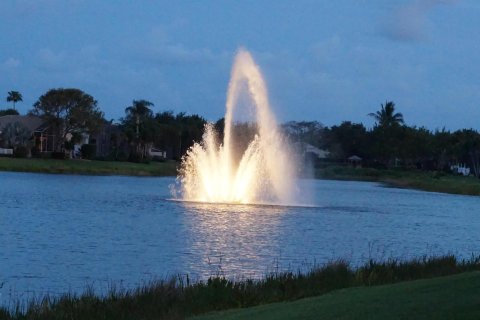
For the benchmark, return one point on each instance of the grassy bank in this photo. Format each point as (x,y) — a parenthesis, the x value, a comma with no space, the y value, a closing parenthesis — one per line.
(88,167)
(422,180)
(178,298)
(451,297)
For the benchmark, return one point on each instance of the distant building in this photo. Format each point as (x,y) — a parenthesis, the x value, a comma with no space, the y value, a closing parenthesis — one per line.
(310,151)
(41,137)
(29,122)
(355,160)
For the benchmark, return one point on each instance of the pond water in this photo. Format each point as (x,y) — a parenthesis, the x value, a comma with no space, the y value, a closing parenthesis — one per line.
(60,233)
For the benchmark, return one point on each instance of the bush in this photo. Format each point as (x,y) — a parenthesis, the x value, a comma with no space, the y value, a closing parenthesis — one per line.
(35,152)
(59,155)
(88,151)
(138,158)
(20,152)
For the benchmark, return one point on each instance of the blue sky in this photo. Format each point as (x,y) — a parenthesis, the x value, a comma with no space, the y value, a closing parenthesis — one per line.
(323,60)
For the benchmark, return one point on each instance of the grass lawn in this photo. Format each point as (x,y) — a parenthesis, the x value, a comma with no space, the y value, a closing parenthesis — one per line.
(450,297)
(88,167)
(422,180)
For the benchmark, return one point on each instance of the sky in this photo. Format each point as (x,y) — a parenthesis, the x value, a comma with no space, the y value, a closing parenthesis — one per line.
(323,60)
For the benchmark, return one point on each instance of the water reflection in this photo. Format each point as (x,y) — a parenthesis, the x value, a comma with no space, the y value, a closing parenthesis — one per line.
(232,239)
(60,233)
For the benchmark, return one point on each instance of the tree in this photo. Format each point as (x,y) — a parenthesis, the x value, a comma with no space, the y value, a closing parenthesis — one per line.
(387,133)
(466,148)
(304,131)
(140,127)
(7,112)
(139,110)
(15,135)
(14,96)
(346,140)
(191,130)
(68,112)
(176,133)
(386,116)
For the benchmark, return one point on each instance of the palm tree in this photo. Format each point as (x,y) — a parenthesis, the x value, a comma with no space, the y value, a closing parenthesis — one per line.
(386,116)
(14,96)
(139,110)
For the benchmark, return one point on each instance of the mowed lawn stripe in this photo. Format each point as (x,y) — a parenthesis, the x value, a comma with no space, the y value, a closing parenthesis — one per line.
(451,297)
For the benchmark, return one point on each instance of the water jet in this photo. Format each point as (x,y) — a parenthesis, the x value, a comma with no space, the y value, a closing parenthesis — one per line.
(263,172)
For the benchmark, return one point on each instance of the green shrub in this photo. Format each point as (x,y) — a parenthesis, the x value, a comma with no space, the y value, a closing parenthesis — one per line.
(89,151)
(20,152)
(59,155)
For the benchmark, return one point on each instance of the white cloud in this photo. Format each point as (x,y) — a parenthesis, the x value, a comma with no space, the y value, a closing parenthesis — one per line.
(50,60)
(410,23)
(11,63)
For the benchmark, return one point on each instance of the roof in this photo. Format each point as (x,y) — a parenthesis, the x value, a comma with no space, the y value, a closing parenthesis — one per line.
(308,148)
(355,158)
(32,123)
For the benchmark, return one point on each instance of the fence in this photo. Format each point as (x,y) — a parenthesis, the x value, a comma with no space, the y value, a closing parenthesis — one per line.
(5,152)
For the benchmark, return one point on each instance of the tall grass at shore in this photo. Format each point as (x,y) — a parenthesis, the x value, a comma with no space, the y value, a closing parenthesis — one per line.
(178,297)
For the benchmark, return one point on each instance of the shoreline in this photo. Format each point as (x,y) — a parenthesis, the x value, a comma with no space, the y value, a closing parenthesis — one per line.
(179,297)
(432,181)
(88,167)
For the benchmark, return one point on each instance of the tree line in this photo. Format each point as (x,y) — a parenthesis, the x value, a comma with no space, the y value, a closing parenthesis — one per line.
(390,143)
(70,113)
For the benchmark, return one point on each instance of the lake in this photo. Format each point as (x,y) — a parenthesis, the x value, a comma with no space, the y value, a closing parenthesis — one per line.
(60,233)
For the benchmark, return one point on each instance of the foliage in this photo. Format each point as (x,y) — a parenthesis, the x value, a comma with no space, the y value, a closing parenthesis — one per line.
(346,140)
(386,116)
(20,152)
(304,131)
(7,112)
(68,112)
(15,134)
(391,143)
(88,151)
(140,128)
(178,297)
(14,96)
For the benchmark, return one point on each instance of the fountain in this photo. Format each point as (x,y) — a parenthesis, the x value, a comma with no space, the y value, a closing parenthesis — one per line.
(263,172)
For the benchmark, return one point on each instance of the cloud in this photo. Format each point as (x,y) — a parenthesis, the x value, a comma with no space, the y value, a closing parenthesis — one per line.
(410,23)
(176,53)
(158,47)
(11,63)
(50,60)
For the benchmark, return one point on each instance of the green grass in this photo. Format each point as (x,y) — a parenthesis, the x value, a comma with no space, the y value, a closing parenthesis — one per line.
(178,297)
(88,167)
(450,297)
(428,181)
(422,180)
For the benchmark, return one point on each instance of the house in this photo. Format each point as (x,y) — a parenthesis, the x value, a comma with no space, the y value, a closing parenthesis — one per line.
(31,123)
(310,151)
(33,126)
(355,160)
(158,154)
(44,141)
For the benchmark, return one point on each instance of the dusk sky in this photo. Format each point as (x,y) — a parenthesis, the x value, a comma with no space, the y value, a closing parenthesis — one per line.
(323,60)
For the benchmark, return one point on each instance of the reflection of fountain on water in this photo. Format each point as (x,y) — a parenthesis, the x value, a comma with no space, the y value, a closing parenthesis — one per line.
(228,240)
(263,172)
